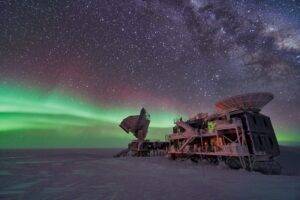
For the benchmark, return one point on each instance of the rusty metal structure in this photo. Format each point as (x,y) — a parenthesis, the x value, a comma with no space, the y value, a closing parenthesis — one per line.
(138,125)
(237,134)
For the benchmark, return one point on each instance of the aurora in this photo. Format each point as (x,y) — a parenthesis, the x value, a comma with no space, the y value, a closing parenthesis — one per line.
(31,113)
(32,118)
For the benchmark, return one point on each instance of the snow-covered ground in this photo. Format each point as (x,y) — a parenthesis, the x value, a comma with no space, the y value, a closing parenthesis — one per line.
(94,174)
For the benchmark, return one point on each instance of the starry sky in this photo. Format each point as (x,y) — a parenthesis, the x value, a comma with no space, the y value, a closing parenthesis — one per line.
(71,70)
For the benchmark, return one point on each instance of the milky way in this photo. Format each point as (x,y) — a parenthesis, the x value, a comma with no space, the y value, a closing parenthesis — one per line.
(172,56)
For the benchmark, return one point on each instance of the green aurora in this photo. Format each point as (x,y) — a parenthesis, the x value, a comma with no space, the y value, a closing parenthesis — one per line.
(33,119)
(30,118)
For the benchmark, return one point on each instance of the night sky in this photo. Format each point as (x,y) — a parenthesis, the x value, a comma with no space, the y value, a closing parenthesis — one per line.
(71,70)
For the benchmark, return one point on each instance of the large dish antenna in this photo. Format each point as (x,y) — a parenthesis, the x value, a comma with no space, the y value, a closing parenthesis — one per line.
(249,101)
(137,124)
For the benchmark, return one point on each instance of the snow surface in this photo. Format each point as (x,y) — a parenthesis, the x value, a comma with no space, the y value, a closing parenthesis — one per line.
(94,174)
